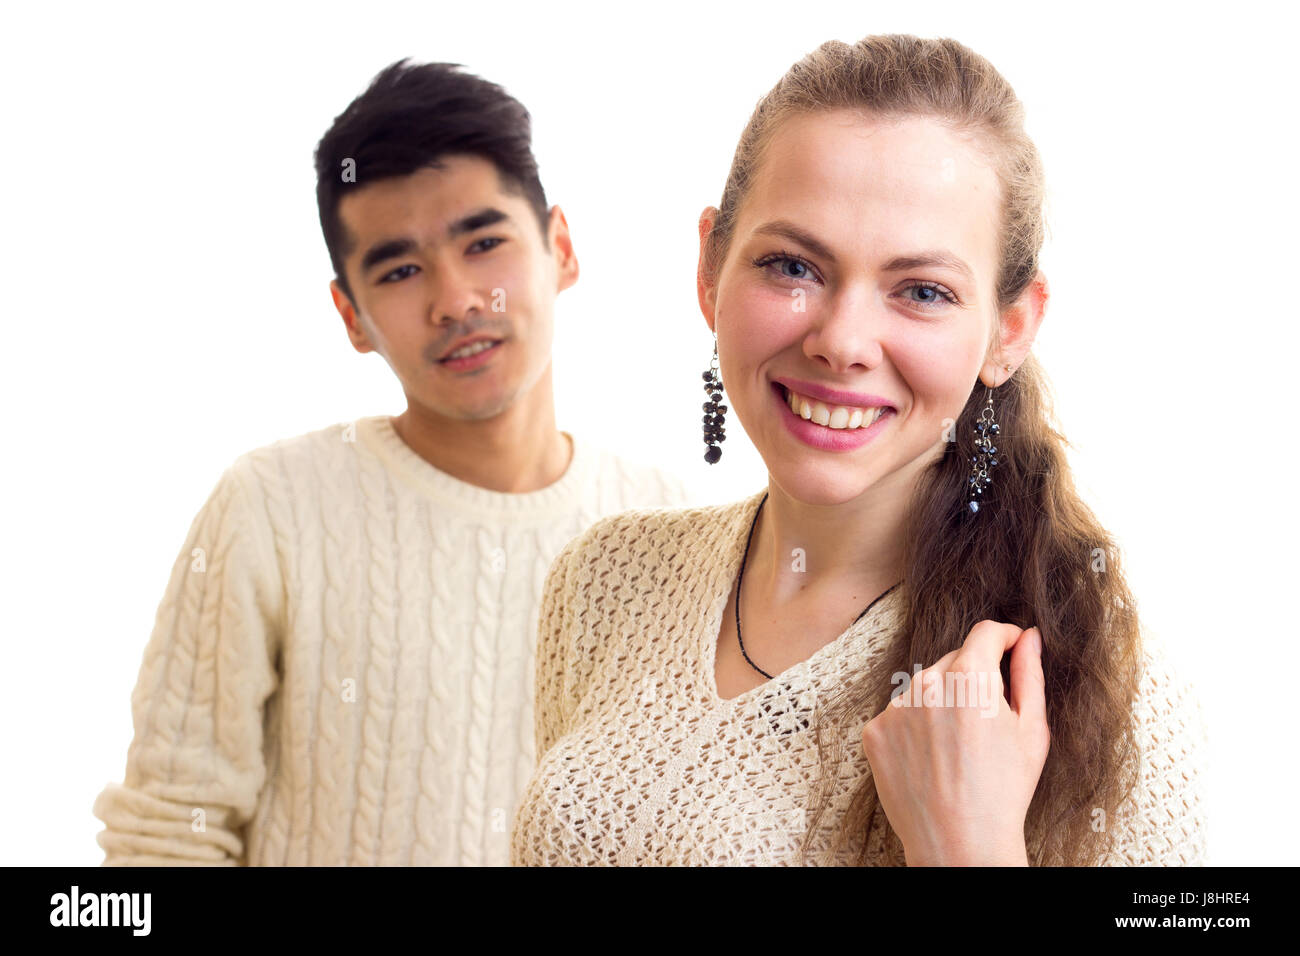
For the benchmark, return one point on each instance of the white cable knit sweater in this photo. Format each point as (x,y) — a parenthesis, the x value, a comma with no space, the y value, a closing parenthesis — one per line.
(340,670)
(641,762)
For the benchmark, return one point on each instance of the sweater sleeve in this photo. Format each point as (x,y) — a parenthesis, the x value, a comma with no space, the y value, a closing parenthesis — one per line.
(554,693)
(195,766)
(1164,821)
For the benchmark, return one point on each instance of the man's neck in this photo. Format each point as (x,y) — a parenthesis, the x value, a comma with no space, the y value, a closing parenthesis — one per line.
(516,452)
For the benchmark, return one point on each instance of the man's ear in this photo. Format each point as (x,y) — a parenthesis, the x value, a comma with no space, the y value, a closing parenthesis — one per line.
(357,334)
(706,279)
(1017,328)
(566,260)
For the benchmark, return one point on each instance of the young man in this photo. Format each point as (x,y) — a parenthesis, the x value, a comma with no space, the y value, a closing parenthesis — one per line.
(341,667)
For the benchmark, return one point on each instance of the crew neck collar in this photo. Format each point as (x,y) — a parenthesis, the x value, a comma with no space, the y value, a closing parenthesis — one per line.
(379,435)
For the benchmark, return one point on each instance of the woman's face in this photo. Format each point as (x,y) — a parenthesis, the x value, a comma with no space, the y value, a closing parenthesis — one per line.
(863,262)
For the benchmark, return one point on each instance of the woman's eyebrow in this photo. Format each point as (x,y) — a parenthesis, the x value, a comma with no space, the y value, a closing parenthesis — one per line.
(916,260)
(788,230)
(932,257)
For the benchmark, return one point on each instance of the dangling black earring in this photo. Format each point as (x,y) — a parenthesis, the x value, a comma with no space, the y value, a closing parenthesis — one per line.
(714,414)
(983,461)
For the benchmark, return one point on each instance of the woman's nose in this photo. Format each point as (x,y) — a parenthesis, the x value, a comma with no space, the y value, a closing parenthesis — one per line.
(847,330)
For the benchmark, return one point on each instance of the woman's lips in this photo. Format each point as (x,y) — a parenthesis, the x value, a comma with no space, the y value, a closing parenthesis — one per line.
(823,436)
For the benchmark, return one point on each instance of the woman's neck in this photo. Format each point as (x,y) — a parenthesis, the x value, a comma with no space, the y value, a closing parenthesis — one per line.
(826,555)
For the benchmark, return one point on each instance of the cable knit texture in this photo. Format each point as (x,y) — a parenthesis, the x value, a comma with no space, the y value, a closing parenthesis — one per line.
(340,670)
(641,762)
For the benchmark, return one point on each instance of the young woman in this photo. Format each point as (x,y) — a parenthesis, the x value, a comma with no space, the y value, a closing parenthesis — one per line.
(815,674)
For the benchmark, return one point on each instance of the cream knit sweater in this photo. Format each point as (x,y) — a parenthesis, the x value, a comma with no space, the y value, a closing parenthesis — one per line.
(641,762)
(340,670)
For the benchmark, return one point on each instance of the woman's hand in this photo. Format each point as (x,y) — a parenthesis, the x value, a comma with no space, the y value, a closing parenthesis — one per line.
(955,765)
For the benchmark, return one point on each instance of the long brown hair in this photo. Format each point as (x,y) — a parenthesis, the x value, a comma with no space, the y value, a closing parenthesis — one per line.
(1034,555)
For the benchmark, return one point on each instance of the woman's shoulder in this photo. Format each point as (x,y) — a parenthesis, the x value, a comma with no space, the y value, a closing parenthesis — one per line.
(631,579)
(1168,826)
(658,535)
(1167,696)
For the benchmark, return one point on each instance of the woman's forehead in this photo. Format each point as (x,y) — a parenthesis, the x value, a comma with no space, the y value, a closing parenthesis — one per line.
(846,177)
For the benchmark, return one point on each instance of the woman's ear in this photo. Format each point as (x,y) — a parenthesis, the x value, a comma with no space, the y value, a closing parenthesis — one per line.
(1017,328)
(705,273)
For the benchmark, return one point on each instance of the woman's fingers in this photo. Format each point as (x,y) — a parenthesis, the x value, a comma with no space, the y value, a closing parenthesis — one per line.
(947,777)
(1028,689)
(982,652)
(985,645)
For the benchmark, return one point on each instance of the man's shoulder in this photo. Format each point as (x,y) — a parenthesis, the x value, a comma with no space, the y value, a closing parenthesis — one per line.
(311,459)
(629,482)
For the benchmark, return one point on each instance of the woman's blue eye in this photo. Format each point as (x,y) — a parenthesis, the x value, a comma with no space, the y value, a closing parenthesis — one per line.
(790,266)
(932,293)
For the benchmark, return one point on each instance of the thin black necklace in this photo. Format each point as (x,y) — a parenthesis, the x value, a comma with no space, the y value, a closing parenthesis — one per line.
(741,578)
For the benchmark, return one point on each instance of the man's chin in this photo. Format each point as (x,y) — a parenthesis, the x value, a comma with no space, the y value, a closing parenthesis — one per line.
(439,410)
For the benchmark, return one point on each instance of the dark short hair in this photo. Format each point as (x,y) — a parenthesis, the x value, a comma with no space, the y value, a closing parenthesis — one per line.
(407,119)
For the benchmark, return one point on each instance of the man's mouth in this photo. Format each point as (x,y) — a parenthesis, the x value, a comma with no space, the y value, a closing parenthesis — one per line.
(839,417)
(472,349)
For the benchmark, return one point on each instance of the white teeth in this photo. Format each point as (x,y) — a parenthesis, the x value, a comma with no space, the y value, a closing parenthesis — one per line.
(472,349)
(833,416)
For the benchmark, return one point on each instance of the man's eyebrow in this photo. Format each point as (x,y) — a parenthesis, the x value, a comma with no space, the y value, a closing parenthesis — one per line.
(916,260)
(396,248)
(476,220)
(386,249)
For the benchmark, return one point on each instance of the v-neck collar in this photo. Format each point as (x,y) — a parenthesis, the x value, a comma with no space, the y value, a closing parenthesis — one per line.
(730,552)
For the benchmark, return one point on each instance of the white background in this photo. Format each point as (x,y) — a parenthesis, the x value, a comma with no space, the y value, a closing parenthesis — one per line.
(165,296)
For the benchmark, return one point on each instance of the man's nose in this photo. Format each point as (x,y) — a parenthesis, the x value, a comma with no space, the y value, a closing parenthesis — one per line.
(458,294)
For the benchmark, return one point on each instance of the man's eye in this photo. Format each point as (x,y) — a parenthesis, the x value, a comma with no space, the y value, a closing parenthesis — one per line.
(398,274)
(494,240)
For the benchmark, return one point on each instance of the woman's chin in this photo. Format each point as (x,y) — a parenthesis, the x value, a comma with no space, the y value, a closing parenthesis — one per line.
(823,484)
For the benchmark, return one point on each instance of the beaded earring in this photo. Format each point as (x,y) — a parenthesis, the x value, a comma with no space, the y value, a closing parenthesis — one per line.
(983,461)
(714,413)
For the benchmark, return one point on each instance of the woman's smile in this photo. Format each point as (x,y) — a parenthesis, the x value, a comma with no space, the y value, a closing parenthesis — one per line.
(829,427)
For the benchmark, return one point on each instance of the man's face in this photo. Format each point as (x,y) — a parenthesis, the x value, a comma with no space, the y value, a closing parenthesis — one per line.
(447,254)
